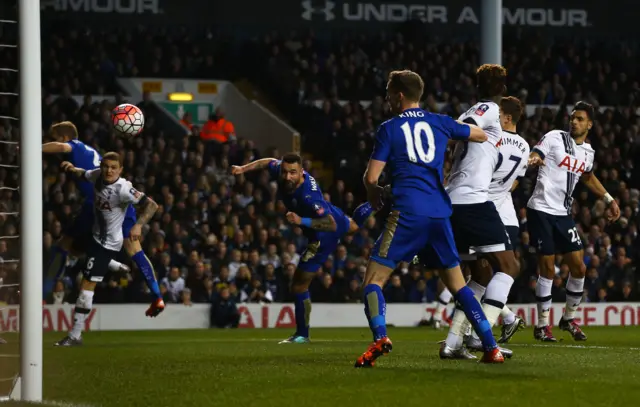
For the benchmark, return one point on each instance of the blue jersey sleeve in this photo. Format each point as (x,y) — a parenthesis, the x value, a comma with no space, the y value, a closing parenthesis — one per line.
(274,168)
(456,130)
(382,146)
(73,145)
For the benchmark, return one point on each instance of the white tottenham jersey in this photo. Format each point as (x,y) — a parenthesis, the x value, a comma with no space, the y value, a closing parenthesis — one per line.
(513,155)
(110,205)
(473,163)
(565,161)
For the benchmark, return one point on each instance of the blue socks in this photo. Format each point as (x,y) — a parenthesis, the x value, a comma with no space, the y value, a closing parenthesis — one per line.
(362,213)
(375,308)
(146,268)
(473,310)
(303,312)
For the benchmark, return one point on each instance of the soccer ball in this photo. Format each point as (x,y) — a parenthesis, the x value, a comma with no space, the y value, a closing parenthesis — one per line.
(127,119)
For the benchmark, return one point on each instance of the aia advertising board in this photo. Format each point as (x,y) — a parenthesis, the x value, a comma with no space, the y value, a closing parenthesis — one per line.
(256,316)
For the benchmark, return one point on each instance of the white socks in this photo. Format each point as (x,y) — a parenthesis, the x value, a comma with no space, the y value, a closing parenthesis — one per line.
(496,296)
(575,289)
(443,300)
(543,295)
(83,308)
(508,317)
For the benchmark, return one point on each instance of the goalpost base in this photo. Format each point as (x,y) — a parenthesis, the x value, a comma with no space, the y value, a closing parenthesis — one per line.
(15,392)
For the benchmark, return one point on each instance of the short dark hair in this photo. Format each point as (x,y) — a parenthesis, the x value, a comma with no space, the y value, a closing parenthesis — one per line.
(407,82)
(512,106)
(112,156)
(491,80)
(65,129)
(585,107)
(292,158)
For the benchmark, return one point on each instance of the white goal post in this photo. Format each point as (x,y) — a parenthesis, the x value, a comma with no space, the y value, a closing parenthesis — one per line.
(31,202)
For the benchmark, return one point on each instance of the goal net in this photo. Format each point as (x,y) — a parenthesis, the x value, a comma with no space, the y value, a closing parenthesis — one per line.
(9,204)
(21,241)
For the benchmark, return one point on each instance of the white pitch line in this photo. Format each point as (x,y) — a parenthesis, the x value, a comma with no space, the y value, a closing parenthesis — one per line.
(364,341)
(586,347)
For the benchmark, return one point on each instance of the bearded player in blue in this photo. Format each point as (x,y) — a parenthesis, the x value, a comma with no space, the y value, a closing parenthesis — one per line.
(323,225)
(85,157)
(413,144)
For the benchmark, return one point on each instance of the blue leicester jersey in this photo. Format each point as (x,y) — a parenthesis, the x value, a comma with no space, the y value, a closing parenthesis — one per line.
(85,157)
(413,144)
(307,201)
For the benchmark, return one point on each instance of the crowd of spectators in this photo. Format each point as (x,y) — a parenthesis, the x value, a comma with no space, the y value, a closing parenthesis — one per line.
(216,232)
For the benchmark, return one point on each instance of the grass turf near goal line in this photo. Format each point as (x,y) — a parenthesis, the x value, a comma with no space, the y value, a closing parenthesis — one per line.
(248,367)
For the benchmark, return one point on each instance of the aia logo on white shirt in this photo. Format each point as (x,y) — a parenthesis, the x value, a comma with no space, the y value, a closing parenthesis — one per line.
(573,165)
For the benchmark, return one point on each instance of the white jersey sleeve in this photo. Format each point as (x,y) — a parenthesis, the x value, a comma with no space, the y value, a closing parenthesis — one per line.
(565,162)
(92,175)
(474,163)
(128,194)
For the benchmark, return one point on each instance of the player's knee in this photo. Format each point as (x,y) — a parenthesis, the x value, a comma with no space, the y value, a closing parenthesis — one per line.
(301,281)
(509,264)
(579,270)
(547,266)
(88,285)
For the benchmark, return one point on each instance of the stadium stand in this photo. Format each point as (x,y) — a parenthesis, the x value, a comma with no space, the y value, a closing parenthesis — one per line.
(215,230)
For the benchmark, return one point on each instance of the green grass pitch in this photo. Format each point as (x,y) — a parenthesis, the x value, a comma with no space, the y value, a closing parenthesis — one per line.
(248,368)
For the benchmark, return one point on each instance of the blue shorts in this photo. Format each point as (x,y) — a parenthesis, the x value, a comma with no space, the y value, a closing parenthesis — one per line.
(552,234)
(82,223)
(406,235)
(323,244)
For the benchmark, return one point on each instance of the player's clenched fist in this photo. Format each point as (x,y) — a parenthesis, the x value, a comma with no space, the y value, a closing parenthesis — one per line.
(293,218)
(536,161)
(67,166)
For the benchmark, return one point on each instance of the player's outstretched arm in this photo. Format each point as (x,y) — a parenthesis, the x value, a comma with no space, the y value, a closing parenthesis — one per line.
(55,147)
(324,224)
(593,183)
(476,134)
(68,167)
(148,209)
(252,166)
